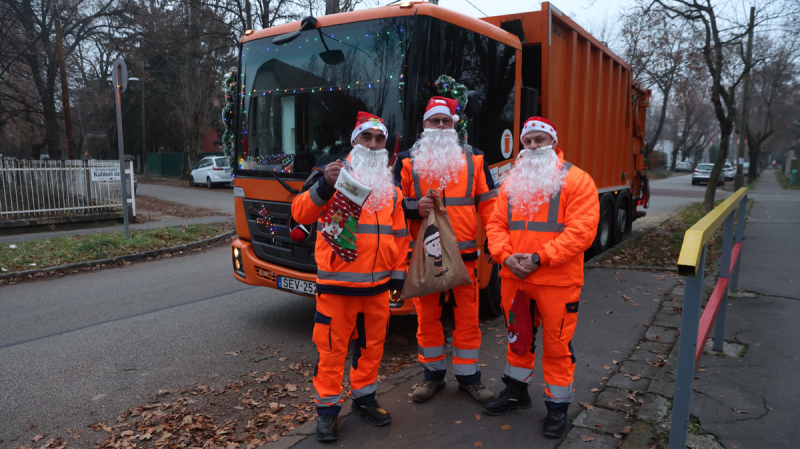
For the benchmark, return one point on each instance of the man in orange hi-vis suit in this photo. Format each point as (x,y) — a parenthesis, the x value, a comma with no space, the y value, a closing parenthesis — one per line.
(461,176)
(361,248)
(545,218)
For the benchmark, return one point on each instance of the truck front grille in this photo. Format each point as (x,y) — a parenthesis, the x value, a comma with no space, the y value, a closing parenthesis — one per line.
(278,247)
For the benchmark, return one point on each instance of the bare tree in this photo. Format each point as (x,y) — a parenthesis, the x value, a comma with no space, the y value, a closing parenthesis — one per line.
(722,51)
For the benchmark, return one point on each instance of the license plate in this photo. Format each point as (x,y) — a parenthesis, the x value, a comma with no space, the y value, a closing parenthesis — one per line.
(227,170)
(296,285)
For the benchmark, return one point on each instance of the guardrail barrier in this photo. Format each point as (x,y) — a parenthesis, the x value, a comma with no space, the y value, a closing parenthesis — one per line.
(695,329)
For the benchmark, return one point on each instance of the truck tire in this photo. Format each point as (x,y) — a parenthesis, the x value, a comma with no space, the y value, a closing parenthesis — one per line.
(605,227)
(490,298)
(622,216)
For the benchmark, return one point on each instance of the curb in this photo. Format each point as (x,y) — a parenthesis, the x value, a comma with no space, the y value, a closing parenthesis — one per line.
(113,260)
(632,267)
(589,263)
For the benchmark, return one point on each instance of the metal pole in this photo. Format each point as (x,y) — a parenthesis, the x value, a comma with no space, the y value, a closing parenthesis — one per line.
(724,272)
(690,324)
(118,92)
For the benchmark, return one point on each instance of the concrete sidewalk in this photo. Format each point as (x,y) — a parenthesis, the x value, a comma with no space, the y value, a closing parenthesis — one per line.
(761,385)
(118,228)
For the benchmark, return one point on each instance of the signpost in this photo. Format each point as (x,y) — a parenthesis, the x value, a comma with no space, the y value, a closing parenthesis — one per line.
(120,84)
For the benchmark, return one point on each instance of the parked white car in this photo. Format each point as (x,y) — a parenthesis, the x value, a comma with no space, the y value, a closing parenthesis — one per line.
(210,171)
(683,166)
(729,170)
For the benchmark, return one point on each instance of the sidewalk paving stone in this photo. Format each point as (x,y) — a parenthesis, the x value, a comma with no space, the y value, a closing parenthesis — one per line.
(643,356)
(655,346)
(663,335)
(600,441)
(655,408)
(640,436)
(612,397)
(665,320)
(602,420)
(642,369)
(620,380)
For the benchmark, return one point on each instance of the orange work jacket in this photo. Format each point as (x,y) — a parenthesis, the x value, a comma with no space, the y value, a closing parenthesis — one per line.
(560,232)
(381,241)
(475,189)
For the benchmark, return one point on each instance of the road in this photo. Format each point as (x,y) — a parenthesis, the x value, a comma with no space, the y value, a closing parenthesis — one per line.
(670,195)
(220,198)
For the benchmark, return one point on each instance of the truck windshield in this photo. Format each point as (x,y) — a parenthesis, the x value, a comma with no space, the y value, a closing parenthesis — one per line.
(298,102)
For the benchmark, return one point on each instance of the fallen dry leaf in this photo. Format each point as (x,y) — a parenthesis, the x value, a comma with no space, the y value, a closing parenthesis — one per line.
(594,390)
(626,430)
(586,406)
(587,438)
(636,377)
(617,436)
(609,312)
(478,417)
(606,367)
(291,387)
(733,446)
(598,425)
(478,444)
(234,353)
(615,362)
(458,422)
(39,437)
(626,297)
(505,427)
(740,411)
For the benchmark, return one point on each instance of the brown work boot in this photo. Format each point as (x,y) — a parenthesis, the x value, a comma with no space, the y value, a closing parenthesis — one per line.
(477,391)
(426,391)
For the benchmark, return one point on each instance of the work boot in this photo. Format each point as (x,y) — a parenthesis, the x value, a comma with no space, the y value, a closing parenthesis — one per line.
(374,413)
(514,396)
(327,428)
(555,424)
(477,391)
(426,391)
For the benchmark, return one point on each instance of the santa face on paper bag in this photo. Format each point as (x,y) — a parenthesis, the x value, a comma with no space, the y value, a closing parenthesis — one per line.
(433,247)
(334,228)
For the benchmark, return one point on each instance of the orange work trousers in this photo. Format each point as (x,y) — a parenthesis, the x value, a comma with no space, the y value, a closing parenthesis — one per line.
(556,308)
(466,334)
(340,320)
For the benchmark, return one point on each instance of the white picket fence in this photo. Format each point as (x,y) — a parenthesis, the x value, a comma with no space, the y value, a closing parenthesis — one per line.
(33,189)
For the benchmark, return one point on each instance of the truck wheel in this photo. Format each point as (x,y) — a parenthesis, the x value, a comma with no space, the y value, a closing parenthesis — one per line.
(605,228)
(490,299)
(622,216)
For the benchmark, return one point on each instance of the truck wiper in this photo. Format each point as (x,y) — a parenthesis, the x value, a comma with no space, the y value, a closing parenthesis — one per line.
(288,188)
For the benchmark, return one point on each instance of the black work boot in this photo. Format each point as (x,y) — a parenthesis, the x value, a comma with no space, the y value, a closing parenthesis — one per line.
(374,413)
(555,424)
(514,396)
(327,428)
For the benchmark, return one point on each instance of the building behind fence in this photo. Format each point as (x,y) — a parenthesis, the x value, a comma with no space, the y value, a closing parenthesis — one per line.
(41,189)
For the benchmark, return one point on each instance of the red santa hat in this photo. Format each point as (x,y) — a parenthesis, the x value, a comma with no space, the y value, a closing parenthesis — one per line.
(539,124)
(367,121)
(441,105)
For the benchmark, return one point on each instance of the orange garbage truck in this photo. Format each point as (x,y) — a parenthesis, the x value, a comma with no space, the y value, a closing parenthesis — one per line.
(300,86)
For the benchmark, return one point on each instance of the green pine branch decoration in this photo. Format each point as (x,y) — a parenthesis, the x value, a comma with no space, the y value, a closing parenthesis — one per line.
(448,87)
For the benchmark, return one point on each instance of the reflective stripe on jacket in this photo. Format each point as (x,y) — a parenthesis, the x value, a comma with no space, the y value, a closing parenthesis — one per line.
(382,244)
(475,188)
(560,232)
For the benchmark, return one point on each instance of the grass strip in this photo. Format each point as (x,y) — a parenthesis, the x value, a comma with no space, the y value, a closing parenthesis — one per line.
(51,252)
(661,246)
(784,181)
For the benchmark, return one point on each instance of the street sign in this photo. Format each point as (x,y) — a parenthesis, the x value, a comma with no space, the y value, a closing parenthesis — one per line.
(105,174)
(121,75)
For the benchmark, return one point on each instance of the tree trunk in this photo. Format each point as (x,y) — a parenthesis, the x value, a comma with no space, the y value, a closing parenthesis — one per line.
(726,129)
(752,172)
(675,152)
(52,134)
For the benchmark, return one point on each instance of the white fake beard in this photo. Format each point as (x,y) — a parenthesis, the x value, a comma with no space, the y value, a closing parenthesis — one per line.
(371,168)
(537,174)
(437,156)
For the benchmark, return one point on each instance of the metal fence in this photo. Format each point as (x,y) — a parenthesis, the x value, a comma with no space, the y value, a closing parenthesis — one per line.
(38,189)
(695,329)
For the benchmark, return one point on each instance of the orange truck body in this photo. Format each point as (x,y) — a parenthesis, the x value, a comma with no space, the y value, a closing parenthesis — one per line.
(584,88)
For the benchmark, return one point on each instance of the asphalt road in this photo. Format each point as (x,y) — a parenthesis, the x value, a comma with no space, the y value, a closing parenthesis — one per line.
(79,349)
(670,195)
(218,198)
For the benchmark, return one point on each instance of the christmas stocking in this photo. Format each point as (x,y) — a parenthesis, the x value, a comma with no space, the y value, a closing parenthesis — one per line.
(520,327)
(340,221)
